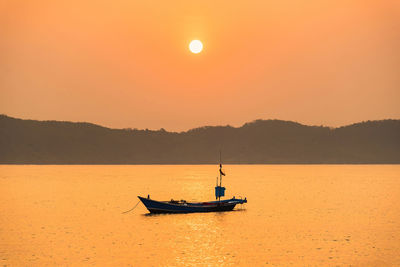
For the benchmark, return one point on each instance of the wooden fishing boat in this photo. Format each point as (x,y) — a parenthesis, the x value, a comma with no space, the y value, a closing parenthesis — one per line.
(186,207)
(182,206)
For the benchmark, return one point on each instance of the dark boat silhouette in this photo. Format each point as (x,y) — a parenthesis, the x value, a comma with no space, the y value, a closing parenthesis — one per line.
(186,207)
(182,206)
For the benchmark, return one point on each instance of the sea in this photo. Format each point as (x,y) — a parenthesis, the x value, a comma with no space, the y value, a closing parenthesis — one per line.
(296,215)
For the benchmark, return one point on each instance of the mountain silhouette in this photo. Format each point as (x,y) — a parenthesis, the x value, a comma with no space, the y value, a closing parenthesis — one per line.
(257,142)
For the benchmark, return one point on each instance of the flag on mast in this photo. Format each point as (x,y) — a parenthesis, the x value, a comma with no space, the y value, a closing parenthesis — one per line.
(220,170)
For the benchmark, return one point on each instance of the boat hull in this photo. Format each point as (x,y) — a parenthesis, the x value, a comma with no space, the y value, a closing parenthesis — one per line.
(154,206)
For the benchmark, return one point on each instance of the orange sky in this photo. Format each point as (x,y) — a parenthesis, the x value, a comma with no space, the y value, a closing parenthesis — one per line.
(126,63)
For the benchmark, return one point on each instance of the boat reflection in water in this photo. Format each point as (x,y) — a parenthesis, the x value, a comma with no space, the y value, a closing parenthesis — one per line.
(182,206)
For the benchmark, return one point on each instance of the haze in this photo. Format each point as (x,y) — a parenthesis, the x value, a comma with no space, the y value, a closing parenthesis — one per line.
(127,64)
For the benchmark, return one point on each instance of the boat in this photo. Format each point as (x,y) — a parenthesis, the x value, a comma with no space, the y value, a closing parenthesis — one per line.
(182,206)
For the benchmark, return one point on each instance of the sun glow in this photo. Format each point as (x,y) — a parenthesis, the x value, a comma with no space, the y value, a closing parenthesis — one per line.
(196,46)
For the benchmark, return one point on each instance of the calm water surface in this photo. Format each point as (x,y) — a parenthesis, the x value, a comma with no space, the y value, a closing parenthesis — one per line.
(300,215)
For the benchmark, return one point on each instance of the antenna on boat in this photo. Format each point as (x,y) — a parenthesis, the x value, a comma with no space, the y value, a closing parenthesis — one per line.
(220,169)
(219,190)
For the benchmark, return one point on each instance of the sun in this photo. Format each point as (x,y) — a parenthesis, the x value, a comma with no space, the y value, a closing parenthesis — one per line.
(195,46)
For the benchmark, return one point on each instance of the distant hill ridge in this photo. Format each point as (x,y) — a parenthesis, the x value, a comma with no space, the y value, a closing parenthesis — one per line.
(257,142)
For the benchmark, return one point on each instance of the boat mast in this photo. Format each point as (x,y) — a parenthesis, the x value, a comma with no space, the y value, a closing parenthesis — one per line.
(220,173)
(219,190)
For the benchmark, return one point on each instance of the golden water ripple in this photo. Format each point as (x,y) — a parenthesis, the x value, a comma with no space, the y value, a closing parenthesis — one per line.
(297,215)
